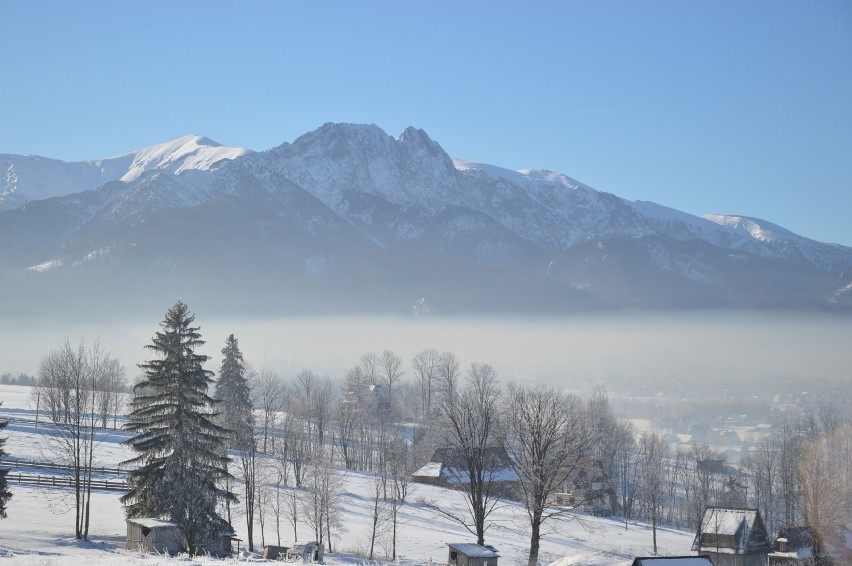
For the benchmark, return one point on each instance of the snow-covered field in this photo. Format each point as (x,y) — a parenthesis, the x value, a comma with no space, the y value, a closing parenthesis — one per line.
(40,527)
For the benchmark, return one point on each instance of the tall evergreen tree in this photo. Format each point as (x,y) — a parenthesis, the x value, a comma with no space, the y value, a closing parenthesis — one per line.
(233,393)
(5,494)
(181,450)
(235,414)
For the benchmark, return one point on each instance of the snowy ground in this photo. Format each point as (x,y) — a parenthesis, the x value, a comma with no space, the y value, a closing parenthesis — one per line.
(40,527)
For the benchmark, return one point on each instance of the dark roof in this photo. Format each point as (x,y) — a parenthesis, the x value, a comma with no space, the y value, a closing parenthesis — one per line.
(797,537)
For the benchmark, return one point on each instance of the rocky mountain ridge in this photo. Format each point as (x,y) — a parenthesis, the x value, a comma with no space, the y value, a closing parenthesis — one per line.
(348,218)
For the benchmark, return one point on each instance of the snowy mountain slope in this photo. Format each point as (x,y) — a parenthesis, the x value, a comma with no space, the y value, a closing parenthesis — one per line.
(357,219)
(183,154)
(29,178)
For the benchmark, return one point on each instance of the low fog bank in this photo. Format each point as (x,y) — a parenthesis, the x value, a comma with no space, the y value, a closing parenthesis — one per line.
(734,350)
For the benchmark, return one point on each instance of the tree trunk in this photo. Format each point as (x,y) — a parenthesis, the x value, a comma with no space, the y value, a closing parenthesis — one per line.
(535,539)
(654,529)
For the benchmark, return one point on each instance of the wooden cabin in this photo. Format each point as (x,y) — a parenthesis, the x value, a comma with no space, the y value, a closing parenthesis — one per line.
(165,537)
(448,467)
(469,554)
(733,537)
(153,535)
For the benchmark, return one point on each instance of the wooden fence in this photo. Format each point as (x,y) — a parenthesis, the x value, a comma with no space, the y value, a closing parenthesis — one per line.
(59,467)
(65,481)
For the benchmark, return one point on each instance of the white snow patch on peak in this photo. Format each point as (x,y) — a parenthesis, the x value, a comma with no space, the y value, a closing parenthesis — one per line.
(754,227)
(183,154)
(522,177)
(491,171)
(550,177)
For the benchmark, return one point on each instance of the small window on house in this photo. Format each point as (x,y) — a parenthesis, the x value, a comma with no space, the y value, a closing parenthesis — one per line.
(146,531)
(454,555)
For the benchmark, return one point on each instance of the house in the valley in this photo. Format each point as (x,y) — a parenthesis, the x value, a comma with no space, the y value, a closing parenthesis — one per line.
(469,554)
(793,546)
(796,545)
(448,467)
(587,486)
(733,537)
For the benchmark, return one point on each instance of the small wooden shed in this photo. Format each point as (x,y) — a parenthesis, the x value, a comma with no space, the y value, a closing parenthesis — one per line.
(153,535)
(306,551)
(469,554)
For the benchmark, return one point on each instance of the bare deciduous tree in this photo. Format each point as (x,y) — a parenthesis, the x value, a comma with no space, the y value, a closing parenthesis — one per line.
(322,501)
(399,467)
(827,486)
(548,431)
(471,423)
(269,394)
(653,453)
(448,374)
(391,371)
(425,364)
(626,458)
(703,486)
(72,385)
(370,366)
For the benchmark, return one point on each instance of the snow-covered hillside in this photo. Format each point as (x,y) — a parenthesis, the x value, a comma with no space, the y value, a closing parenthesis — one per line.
(39,529)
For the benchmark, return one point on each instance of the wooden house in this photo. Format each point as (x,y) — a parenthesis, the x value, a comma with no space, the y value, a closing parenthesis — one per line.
(469,554)
(587,486)
(165,537)
(733,537)
(153,535)
(448,468)
(796,545)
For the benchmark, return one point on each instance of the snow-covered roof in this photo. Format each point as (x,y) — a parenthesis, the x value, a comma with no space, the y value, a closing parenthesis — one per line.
(473,550)
(726,521)
(459,475)
(430,470)
(731,531)
(151,523)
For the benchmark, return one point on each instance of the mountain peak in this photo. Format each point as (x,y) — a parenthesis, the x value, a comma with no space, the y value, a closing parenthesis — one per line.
(182,154)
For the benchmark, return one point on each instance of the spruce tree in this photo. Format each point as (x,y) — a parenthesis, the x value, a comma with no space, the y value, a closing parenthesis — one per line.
(5,494)
(233,394)
(181,450)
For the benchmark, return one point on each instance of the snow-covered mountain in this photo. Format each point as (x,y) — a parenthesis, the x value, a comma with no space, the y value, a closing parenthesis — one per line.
(28,178)
(348,218)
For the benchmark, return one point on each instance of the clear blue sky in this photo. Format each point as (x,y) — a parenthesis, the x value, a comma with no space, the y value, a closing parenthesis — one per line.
(717,106)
